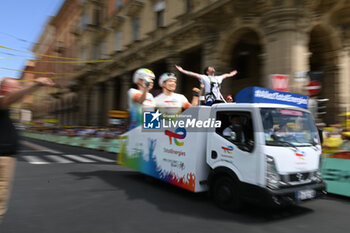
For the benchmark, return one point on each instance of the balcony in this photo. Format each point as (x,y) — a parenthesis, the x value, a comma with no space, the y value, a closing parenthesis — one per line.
(133,8)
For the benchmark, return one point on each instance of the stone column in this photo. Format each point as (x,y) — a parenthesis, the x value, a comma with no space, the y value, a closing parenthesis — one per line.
(83,107)
(286,45)
(126,81)
(60,111)
(94,114)
(343,82)
(65,110)
(340,73)
(64,106)
(75,110)
(108,99)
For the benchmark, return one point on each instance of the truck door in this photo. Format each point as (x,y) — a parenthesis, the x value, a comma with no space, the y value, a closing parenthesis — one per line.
(233,145)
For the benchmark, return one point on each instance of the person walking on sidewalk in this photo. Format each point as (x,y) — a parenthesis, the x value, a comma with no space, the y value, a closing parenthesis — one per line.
(212,83)
(11,92)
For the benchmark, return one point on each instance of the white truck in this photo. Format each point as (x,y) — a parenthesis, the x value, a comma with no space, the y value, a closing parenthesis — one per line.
(256,149)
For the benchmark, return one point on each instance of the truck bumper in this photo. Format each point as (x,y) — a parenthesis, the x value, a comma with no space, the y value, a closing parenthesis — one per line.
(287,196)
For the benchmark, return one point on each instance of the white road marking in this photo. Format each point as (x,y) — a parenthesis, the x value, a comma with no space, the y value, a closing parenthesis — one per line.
(79,158)
(99,158)
(40,148)
(26,151)
(58,159)
(34,159)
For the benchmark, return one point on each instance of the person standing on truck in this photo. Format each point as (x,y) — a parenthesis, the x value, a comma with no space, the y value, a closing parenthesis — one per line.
(212,83)
(140,99)
(10,93)
(170,103)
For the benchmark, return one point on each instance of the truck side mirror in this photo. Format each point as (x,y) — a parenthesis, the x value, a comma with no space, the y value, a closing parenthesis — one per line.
(233,136)
(320,134)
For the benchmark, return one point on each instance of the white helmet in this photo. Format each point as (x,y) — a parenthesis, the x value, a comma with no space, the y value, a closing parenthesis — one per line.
(143,74)
(165,77)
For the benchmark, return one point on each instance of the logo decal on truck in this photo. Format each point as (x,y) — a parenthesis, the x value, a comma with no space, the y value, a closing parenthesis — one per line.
(176,135)
(300,155)
(228,149)
(151,120)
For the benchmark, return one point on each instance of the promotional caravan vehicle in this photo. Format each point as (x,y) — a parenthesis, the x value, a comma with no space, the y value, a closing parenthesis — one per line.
(263,148)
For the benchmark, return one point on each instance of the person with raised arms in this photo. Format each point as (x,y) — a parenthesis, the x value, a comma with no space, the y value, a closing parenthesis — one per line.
(212,83)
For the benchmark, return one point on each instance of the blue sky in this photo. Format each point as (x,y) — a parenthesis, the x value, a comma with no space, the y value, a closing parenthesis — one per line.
(21,24)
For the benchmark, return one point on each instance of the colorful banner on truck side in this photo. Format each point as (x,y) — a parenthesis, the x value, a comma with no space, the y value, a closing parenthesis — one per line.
(161,156)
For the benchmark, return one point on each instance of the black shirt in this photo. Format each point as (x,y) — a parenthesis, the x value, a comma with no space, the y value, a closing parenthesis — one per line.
(8,134)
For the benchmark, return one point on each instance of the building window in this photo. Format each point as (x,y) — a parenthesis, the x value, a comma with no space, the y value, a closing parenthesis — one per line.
(159,8)
(97,17)
(189,5)
(119,4)
(84,21)
(135,29)
(83,55)
(118,41)
(104,50)
(96,52)
(160,19)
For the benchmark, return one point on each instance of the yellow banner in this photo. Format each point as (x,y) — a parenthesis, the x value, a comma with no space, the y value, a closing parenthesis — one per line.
(118,114)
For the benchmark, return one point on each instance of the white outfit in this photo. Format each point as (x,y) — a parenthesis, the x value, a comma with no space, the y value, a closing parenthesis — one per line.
(214,90)
(136,109)
(171,105)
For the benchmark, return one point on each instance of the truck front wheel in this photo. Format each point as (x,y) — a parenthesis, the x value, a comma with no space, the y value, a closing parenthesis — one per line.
(226,194)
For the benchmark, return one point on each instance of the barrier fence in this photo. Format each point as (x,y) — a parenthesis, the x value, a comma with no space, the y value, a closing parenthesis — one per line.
(98,143)
(336,173)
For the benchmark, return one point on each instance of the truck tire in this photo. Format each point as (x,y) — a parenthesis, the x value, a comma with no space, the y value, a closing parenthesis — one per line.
(225,194)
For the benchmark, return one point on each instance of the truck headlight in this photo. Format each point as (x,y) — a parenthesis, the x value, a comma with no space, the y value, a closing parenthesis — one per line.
(272,177)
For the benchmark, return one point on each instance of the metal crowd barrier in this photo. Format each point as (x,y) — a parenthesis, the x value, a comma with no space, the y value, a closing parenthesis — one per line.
(97,143)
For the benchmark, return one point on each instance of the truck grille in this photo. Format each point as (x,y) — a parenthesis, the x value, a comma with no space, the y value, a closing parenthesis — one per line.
(297,177)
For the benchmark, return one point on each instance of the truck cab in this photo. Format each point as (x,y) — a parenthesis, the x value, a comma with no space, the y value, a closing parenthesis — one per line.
(272,157)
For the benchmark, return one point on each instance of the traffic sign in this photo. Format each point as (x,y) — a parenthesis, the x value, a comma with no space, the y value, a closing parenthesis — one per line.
(279,82)
(313,88)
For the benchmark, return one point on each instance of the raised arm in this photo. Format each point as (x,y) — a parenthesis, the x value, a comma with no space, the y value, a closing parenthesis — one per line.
(195,96)
(145,88)
(228,75)
(189,73)
(18,94)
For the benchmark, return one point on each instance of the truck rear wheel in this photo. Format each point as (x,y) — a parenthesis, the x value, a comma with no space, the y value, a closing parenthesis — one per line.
(226,194)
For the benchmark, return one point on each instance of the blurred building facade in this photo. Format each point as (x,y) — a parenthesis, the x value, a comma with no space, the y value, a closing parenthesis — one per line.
(65,104)
(56,53)
(258,38)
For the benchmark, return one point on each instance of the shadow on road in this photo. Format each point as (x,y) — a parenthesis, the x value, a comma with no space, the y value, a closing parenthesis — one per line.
(172,199)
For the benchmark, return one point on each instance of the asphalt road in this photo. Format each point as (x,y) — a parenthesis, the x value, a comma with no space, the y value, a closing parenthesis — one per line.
(63,189)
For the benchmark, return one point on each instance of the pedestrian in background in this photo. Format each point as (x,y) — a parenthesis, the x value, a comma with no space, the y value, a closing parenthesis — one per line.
(11,92)
(212,83)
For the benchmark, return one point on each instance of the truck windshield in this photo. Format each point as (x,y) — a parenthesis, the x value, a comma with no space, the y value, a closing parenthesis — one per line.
(287,127)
